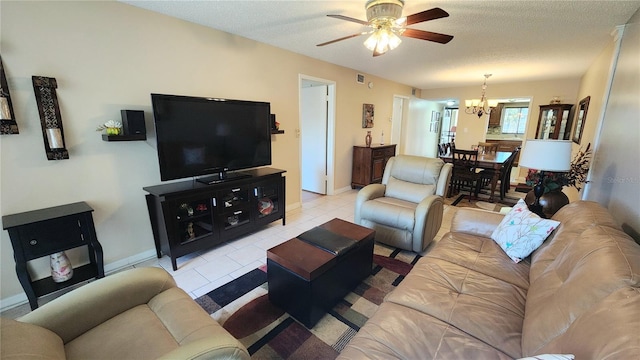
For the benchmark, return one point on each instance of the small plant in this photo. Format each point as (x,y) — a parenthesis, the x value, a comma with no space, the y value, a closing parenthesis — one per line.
(112,127)
(575,177)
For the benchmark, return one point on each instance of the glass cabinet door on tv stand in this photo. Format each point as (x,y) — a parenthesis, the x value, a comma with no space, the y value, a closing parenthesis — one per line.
(191,216)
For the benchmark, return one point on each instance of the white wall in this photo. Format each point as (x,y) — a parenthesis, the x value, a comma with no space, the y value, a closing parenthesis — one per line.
(108,56)
(420,141)
(615,175)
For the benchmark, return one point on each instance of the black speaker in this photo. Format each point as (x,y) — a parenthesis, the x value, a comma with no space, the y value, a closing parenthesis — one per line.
(133,122)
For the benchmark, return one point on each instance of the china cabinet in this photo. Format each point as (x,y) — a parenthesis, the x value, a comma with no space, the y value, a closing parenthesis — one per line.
(554,122)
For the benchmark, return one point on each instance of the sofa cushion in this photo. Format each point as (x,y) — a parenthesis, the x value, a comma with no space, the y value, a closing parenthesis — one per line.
(20,340)
(521,231)
(408,191)
(598,262)
(170,320)
(397,332)
(416,169)
(610,328)
(412,178)
(574,218)
(391,212)
(460,289)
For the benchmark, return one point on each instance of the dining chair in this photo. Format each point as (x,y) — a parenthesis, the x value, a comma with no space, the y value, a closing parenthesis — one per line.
(465,172)
(486,147)
(504,176)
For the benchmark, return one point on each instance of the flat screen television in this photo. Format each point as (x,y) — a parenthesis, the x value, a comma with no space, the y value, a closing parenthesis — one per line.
(210,136)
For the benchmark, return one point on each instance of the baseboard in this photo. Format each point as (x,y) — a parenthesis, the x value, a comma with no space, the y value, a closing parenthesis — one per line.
(20,299)
(342,190)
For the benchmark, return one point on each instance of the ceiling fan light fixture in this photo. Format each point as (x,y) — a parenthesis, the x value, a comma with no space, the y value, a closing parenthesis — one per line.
(382,40)
(371,41)
(384,9)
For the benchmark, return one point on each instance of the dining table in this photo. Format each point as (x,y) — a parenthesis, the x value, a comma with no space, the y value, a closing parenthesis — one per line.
(490,161)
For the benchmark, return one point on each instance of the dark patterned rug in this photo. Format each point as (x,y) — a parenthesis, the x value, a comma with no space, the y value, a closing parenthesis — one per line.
(243,308)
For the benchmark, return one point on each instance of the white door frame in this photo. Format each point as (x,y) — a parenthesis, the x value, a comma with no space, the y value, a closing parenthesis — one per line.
(331,126)
(396,130)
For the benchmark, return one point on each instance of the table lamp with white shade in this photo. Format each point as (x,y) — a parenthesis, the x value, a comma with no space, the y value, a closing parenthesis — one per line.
(546,156)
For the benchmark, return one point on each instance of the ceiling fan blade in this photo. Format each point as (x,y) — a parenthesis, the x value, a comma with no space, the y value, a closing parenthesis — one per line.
(340,39)
(342,17)
(427,35)
(432,14)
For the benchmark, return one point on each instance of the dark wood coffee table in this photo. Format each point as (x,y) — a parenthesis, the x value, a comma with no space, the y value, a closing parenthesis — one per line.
(307,281)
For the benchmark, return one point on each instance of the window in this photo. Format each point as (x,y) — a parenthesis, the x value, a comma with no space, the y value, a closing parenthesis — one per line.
(514,120)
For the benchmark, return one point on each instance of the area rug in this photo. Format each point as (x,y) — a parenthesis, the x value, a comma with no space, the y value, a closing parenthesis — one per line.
(243,308)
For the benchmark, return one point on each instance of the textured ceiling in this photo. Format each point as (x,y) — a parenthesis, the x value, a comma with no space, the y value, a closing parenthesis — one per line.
(513,40)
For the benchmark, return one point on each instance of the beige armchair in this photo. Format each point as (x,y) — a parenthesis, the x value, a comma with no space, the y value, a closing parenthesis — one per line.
(135,314)
(406,209)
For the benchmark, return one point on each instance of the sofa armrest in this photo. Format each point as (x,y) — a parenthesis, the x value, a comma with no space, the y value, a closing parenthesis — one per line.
(367,193)
(211,348)
(442,188)
(428,217)
(82,309)
(476,221)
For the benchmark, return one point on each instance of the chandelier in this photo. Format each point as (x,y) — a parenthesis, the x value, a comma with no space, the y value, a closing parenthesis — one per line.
(482,106)
(385,18)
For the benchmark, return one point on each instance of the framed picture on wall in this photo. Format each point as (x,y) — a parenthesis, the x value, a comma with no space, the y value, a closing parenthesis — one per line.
(367,115)
(434,125)
(360,78)
(581,117)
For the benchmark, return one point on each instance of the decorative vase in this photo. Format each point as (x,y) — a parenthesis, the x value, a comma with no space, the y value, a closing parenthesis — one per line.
(367,139)
(382,138)
(550,202)
(61,269)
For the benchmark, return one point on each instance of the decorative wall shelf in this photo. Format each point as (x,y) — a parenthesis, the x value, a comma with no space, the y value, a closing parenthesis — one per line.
(106,137)
(277,131)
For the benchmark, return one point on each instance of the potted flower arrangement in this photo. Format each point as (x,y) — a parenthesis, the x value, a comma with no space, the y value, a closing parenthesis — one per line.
(112,127)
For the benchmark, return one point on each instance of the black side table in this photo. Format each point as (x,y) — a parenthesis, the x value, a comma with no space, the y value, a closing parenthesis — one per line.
(38,233)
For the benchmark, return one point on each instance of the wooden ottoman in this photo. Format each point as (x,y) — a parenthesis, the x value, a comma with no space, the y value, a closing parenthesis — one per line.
(308,277)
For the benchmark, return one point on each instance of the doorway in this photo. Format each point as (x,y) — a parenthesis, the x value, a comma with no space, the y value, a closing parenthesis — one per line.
(317,132)
(397,122)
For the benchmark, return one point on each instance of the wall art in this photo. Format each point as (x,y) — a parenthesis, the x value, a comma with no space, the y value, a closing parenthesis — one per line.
(50,119)
(8,123)
(367,115)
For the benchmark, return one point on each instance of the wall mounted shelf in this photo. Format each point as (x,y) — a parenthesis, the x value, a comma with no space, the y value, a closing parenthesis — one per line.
(106,137)
(277,131)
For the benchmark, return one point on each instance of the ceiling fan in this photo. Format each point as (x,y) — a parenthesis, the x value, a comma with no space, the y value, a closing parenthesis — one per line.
(384,17)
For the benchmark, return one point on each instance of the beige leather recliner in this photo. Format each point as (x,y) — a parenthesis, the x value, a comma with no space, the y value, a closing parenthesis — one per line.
(406,209)
(135,314)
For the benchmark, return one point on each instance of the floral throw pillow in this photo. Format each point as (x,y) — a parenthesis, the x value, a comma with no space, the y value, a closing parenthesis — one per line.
(521,231)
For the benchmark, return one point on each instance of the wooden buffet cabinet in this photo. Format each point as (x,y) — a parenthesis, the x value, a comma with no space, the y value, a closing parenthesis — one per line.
(189,216)
(369,163)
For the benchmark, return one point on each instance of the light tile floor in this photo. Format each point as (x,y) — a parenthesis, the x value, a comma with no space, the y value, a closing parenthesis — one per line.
(201,272)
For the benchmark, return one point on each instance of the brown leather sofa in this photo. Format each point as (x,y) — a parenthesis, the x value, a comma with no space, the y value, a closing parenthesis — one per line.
(576,294)
(136,314)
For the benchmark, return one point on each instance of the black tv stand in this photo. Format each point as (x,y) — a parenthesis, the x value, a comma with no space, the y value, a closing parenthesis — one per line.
(190,216)
(222,177)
